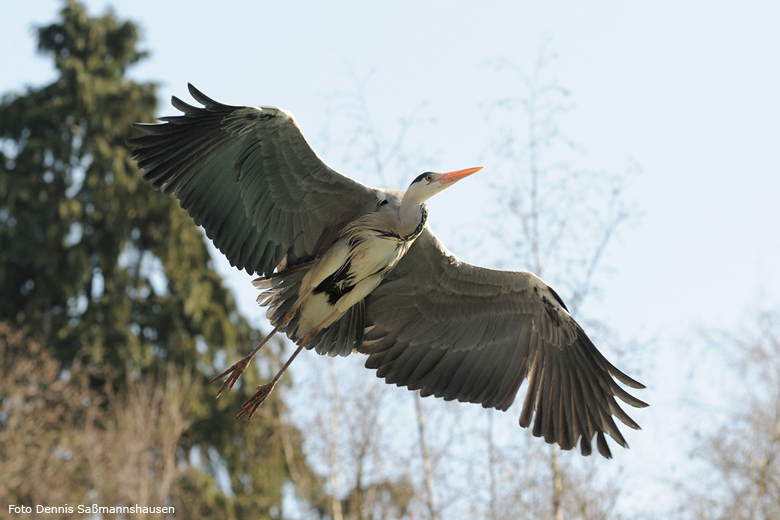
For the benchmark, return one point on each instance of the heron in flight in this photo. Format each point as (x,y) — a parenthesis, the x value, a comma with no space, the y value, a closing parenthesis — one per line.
(345,268)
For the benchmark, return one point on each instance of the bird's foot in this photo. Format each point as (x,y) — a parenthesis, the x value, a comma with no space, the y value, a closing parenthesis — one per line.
(249,408)
(234,373)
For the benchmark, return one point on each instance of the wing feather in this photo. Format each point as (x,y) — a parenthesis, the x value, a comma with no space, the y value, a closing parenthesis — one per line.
(424,368)
(480,378)
(442,374)
(405,365)
(516,372)
(459,331)
(248,176)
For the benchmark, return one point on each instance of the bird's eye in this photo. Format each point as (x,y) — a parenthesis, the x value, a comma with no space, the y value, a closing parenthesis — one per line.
(429,177)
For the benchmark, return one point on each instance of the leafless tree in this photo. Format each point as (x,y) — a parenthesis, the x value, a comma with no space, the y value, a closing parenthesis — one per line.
(563,218)
(354,440)
(741,475)
(38,453)
(382,157)
(63,442)
(145,425)
(348,441)
(552,205)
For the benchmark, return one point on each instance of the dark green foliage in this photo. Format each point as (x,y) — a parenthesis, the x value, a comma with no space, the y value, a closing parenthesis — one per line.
(115,277)
(95,260)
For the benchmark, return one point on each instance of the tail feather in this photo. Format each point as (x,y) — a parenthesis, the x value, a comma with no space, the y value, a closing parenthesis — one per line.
(280,292)
(344,336)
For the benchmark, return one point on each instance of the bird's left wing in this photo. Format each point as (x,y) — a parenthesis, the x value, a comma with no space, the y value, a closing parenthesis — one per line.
(459,331)
(248,176)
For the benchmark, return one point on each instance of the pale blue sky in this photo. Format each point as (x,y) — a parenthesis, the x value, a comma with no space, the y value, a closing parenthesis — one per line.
(689,90)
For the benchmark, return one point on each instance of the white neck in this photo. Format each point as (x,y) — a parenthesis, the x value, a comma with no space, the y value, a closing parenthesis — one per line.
(409,216)
(411,210)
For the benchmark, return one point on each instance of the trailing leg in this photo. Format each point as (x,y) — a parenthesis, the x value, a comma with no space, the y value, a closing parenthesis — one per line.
(238,368)
(263,391)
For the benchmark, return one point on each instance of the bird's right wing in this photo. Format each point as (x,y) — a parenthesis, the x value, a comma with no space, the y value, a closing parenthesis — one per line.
(459,331)
(248,176)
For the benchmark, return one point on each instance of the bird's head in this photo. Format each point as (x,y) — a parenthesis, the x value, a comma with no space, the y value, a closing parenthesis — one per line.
(428,184)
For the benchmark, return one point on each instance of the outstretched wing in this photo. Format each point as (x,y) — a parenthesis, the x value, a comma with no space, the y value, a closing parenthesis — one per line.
(459,331)
(248,176)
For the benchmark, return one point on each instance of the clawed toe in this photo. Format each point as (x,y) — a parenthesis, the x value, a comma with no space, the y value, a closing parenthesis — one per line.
(249,408)
(234,373)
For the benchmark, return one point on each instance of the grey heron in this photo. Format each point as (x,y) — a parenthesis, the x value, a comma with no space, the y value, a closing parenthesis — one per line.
(345,268)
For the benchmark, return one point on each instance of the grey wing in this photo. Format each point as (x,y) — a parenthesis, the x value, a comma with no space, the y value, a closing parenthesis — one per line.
(459,331)
(248,176)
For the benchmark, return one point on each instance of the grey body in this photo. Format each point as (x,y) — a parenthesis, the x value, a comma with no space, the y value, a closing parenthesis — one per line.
(430,322)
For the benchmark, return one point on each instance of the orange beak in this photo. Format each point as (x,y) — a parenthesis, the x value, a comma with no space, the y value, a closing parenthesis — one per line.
(447,178)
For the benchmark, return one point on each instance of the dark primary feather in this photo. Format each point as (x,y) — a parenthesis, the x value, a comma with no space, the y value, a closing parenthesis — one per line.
(248,176)
(459,331)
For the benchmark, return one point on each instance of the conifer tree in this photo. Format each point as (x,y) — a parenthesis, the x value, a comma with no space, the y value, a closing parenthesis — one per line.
(116,279)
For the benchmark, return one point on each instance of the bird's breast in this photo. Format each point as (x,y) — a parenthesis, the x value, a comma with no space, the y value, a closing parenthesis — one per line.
(376,254)
(369,255)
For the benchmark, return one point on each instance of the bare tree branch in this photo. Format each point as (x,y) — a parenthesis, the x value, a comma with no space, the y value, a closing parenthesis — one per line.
(742,476)
(565,218)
